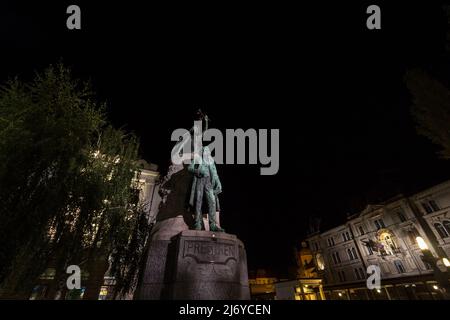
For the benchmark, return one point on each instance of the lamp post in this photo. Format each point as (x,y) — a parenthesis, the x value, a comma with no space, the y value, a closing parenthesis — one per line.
(441,276)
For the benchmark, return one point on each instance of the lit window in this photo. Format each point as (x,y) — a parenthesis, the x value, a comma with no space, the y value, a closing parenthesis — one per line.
(103,293)
(84,275)
(49,274)
(389,245)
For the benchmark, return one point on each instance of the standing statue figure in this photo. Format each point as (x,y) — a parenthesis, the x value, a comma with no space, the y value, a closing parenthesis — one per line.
(206,184)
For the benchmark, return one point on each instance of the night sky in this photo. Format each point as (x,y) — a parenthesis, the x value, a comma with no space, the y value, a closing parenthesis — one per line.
(333,88)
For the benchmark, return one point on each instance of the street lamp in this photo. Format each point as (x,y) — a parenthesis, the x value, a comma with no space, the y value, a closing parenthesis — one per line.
(446,262)
(441,277)
(422,244)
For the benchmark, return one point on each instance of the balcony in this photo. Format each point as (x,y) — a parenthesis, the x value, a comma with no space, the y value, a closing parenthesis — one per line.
(390,252)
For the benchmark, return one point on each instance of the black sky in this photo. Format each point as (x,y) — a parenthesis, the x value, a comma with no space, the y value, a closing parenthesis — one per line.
(333,88)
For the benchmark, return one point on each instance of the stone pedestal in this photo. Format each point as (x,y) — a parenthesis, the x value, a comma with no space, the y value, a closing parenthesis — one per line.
(195,265)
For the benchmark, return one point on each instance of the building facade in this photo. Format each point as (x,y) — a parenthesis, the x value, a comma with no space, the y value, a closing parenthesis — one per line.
(385,236)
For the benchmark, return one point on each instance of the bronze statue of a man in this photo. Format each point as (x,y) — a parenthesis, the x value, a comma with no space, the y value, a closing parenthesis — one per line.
(206,184)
